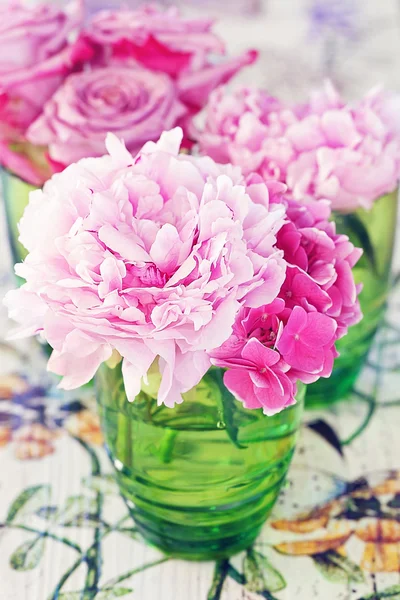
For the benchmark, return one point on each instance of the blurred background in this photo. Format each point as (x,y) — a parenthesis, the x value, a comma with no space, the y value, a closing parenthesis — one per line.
(354,42)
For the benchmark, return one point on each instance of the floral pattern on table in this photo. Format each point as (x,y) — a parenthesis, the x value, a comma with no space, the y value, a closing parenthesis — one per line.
(346,529)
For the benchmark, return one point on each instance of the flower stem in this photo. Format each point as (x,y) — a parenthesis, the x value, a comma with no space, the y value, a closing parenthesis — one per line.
(167,445)
(113,582)
(47,534)
(124,441)
(65,577)
(371,410)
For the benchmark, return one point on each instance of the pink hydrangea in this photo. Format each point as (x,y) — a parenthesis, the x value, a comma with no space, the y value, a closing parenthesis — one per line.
(324,149)
(152,256)
(293,338)
(162,40)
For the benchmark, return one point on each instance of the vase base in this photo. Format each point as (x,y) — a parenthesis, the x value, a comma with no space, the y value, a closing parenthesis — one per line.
(200,531)
(184,545)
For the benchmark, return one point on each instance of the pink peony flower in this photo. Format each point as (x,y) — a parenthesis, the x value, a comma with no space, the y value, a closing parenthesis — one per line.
(152,256)
(247,128)
(325,149)
(293,338)
(132,102)
(35,57)
(161,40)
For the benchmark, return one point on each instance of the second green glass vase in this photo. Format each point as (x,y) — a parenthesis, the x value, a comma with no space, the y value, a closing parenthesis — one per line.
(201,478)
(15,194)
(374,231)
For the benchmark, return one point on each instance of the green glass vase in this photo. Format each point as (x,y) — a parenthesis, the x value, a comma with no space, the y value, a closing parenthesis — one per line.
(374,231)
(15,193)
(201,478)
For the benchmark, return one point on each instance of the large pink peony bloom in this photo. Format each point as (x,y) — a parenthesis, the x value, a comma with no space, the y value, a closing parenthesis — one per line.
(293,338)
(134,103)
(152,256)
(325,149)
(35,57)
(161,40)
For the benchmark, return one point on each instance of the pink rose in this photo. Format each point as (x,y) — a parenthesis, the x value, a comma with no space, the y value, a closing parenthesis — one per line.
(161,40)
(35,57)
(132,102)
(152,256)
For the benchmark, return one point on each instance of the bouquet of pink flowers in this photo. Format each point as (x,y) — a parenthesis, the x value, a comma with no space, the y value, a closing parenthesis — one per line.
(64,85)
(173,260)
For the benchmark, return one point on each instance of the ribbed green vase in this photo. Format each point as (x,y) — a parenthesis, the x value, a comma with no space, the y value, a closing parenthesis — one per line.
(201,478)
(15,193)
(375,232)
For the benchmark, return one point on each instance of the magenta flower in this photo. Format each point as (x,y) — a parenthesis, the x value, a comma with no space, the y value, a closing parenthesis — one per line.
(307,342)
(324,149)
(293,338)
(257,379)
(152,256)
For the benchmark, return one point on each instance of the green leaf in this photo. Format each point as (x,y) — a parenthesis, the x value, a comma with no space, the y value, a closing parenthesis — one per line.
(47,512)
(110,594)
(327,433)
(235,575)
(226,403)
(28,502)
(337,568)
(74,508)
(28,555)
(392,592)
(84,520)
(260,575)
(220,573)
(104,594)
(358,234)
(105,484)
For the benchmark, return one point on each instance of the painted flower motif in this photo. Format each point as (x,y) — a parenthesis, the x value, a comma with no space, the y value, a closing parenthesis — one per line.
(35,57)
(34,441)
(32,418)
(367,515)
(5,435)
(134,103)
(324,149)
(85,425)
(152,256)
(10,385)
(162,41)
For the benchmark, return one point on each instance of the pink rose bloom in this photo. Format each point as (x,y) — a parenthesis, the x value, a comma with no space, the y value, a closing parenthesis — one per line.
(35,57)
(325,149)
(161,40)
(293,338)
(152,256)
(132,102)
